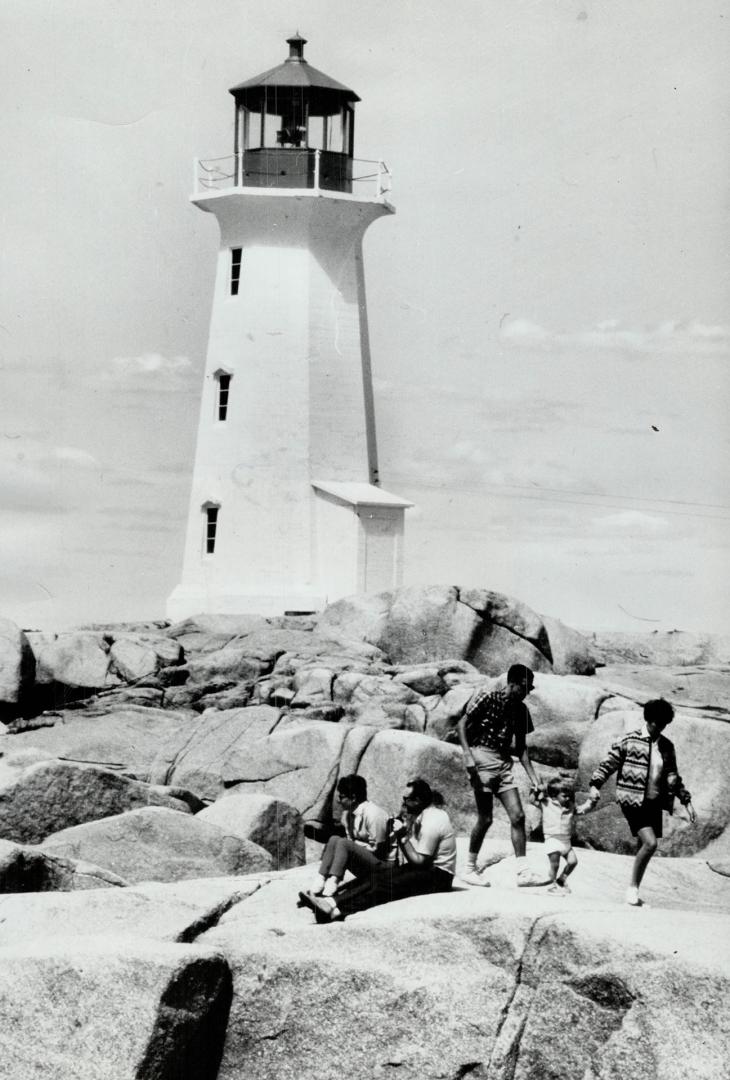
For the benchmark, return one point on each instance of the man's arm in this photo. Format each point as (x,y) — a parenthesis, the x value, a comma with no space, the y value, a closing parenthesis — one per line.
(531,774)
(461,732)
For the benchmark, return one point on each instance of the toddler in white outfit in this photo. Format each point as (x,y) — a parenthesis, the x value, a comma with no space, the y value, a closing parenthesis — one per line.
(558,811)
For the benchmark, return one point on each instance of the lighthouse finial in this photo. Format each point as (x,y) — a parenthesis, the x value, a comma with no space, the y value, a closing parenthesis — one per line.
(296,47)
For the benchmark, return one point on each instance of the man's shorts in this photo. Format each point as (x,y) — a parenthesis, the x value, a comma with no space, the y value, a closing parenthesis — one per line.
(646,816)
(557,844)
(495,772)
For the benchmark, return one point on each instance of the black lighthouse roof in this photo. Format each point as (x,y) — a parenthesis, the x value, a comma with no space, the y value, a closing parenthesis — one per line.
(295,76)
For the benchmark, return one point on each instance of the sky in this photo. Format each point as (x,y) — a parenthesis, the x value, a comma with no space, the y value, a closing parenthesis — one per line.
(549,308)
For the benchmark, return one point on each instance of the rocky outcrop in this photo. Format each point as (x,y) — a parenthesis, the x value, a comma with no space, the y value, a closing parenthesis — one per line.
(124,739)
(269,822)
(156,844)
(17,669)
(43,798)
(665,648)
(498,983)
(26,870)
(89,1008)
(489,629)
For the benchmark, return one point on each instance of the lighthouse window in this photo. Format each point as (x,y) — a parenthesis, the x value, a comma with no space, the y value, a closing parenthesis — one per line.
(235,270)
(211,526)
(224,387)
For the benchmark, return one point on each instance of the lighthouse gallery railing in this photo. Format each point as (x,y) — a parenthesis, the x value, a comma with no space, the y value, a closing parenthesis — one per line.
(313,170)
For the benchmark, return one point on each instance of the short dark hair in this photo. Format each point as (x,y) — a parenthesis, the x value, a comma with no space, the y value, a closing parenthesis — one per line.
(421,790)
(520,674)
(659,711)
(353,786)
(559,785)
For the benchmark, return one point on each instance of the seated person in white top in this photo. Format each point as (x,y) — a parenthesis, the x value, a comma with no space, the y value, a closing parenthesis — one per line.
(365,844)
(426,860)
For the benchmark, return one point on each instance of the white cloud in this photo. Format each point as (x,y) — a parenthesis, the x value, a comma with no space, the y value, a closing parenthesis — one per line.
(630,522)
(74,456)
(147,364)
(693,338)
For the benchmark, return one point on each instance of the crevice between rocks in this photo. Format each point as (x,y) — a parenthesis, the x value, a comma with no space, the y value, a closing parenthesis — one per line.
(504,1057)
(212,917)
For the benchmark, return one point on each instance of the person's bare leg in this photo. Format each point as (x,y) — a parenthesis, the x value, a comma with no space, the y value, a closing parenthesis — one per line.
(571,861)
(484,803)
(554,859)
(647,847)
(512,803)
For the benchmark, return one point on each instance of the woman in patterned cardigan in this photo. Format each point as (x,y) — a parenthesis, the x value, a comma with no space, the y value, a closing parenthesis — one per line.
(647,783)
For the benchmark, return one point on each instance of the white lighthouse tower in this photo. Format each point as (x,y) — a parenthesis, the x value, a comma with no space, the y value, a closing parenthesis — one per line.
(286,509)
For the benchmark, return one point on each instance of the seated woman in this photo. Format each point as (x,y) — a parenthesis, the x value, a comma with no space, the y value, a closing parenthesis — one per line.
(363,848)
(426,860)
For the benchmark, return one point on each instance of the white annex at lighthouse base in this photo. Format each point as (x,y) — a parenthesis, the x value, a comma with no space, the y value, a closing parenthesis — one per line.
(286,510)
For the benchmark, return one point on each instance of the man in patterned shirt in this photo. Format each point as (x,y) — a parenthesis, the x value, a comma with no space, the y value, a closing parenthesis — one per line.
(495,721)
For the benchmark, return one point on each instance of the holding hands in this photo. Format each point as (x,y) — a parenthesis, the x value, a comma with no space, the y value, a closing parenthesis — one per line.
(590,802)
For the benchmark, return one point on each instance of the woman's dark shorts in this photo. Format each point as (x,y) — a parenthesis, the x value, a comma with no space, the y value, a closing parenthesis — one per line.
(646,816)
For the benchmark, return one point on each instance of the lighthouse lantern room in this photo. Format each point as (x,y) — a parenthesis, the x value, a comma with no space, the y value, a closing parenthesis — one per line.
(286,510)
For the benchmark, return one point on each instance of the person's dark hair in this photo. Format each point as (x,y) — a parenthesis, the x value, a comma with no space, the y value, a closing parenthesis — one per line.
(558,785)
(520,674)
(422,791)
(353,787)
(659,711)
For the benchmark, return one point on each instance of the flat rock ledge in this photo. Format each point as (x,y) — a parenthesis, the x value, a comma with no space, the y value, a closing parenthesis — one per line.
(223,978)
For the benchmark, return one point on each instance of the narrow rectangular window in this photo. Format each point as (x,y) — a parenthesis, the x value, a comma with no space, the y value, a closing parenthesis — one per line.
(235,270)
(224,388)
(211,525)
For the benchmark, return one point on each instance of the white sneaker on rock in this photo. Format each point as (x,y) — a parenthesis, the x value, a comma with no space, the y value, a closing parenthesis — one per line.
(475,877)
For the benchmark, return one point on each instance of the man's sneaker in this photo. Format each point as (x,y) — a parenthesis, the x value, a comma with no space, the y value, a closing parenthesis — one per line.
(527,877)
(633,898)
(475,877)
(564,886)
(558,890)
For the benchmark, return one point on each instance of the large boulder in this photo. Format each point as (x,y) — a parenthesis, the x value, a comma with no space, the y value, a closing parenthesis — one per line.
(28,870)
(17,668)
(132,660)
(208,633)
(162,911)
(75,660)
(156,844)
(202,755)
(47,796)
(703,758)
(392,758)
(252,750)
(563,708)
(424,623)
(442,720)
(127,738)
(500,983)
(77,1009)
(700,688)
(571,652)
(664,648)
(494,648)
(269,822)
